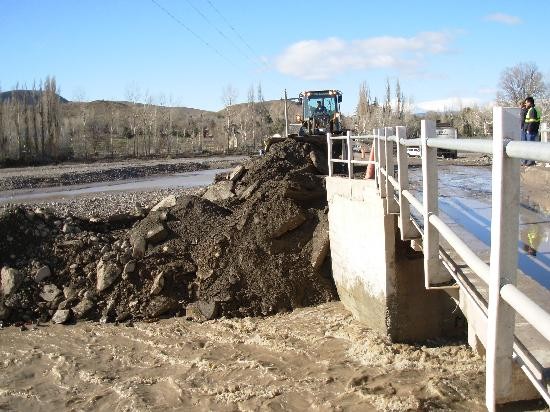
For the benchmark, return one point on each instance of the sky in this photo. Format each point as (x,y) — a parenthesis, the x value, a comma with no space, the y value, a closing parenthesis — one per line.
(445,54)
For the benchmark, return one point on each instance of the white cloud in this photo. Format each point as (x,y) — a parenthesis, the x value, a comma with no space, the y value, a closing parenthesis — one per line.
(322,59)
(504,18)
(451,103)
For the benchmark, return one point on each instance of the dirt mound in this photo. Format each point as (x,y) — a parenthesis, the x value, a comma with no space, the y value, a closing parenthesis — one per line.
(255,243)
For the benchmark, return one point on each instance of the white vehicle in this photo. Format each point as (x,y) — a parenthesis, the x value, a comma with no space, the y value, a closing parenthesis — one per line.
(414,151)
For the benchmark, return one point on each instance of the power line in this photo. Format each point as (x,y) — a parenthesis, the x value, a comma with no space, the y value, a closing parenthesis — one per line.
(237,33)
(220,32)
(193,33)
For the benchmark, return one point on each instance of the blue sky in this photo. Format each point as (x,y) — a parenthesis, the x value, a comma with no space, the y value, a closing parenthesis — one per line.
(443,53)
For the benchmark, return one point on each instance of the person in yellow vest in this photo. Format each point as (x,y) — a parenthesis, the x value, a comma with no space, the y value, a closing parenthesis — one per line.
(531,238)
(532,122)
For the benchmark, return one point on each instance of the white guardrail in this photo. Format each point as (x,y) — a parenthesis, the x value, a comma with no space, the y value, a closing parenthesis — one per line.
(504,298)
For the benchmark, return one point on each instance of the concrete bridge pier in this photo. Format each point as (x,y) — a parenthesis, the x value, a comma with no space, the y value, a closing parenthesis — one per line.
(380,278)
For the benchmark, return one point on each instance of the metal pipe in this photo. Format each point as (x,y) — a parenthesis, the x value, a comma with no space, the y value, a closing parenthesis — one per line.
(413,201)
(464,145)
(472,260)
(394,182)
(411,142)
(529,150)
(529,310)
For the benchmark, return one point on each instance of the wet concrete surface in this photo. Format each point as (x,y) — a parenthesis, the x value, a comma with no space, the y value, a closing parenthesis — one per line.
(465,197)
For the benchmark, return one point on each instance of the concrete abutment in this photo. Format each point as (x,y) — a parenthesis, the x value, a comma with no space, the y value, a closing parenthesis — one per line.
(380,278)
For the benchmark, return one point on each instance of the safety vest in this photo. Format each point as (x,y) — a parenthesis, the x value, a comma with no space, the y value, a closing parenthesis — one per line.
(529,119)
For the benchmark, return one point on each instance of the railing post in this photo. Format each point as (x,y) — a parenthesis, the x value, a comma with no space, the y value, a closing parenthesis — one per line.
(381,162)
(430,192)
(329,153)
(407,229)
(504,255)
(376,158)
(350,155)
(391,204)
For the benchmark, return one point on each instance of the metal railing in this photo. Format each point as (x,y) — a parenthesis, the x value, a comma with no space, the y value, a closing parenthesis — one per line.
(504,298)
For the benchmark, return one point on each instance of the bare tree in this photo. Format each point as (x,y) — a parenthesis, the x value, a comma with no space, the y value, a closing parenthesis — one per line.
(520,81)
(229,95)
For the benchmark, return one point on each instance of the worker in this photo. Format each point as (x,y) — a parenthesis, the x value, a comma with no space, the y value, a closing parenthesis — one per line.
(523,113)
(320,109)
(531,238)
(532,122)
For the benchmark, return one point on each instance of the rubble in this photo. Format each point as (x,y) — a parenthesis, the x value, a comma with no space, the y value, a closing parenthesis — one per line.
(255,243)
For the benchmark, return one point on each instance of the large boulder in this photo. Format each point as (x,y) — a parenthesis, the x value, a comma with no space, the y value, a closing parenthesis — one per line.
(220,191)
(107,274)
(11,280)
(166,203)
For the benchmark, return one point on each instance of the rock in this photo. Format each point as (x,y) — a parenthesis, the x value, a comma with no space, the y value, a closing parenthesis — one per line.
(91,295)
(201,311)
(107,273)
(130,266)
(139,210)
(61,316)
(237,173)
(83,308)
(66,304)
(156,234)
(166,203)
(50,292)
(161,305)
(319,161)
(245,194)
(138,248)
(11,280)
(42,273)
(4,311)
(320,245)
(220,191)
(158,284)
(70,292)
(291,219)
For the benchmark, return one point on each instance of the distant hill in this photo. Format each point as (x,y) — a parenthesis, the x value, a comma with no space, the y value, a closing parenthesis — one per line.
(30,96)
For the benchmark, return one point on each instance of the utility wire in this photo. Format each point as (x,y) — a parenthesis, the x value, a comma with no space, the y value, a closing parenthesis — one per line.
(220,32)
(193,33)
(237,33)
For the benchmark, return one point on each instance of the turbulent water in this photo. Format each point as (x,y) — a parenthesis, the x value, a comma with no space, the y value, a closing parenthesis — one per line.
(316,358)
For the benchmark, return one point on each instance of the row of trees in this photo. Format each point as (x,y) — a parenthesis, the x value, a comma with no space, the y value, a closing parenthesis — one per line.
(516,83)
(371,113)
(246,125)
(30,122)
(38,125)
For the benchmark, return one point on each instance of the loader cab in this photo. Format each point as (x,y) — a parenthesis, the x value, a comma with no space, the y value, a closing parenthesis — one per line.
(321,112)
(327,99)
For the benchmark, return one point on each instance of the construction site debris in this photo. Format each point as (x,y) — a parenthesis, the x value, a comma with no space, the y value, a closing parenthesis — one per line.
(255,243)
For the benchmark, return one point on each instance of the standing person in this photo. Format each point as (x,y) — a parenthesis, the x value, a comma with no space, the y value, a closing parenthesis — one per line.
(522,115)
(532,122)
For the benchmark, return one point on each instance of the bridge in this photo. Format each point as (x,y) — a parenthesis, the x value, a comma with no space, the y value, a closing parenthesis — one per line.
(404,260)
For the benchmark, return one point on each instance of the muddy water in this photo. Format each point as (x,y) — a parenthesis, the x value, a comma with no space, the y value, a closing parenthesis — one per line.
(312,359)
(179,180)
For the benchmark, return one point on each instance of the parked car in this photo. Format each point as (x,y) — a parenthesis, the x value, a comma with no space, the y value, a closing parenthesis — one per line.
(414,151)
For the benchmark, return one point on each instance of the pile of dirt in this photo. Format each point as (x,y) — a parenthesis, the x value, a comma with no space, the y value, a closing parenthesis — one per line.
(255,243)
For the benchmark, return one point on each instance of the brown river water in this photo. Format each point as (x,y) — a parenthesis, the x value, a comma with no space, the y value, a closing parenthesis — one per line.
(316,358)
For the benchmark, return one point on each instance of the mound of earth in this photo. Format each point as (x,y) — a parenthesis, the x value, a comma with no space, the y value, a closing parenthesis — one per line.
(255,243)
